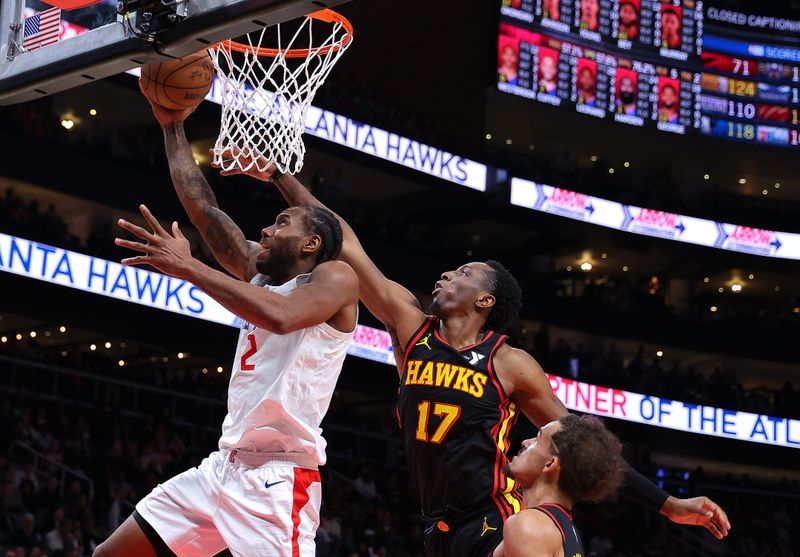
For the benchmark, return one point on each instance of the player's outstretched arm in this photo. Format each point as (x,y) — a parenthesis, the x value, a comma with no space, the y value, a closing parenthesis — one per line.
(224,238)
(529,534)
(332,286)
(396,307)
(525,380)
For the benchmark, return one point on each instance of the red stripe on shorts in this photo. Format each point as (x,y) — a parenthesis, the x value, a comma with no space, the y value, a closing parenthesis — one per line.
(303,478)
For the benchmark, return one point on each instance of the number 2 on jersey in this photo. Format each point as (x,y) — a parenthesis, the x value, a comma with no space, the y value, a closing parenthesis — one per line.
(252,349)
(449,414)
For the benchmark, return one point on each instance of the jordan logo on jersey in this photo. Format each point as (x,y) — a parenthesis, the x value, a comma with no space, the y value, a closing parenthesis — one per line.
(486,527)
(424,342)
(474,357)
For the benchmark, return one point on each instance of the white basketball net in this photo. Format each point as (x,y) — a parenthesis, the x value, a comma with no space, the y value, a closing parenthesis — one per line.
(265,99)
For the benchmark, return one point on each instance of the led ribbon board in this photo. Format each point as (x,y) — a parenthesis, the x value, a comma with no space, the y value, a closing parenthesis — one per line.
(98,276)
(383,144)
(671,414)
(649,222)
(132,284)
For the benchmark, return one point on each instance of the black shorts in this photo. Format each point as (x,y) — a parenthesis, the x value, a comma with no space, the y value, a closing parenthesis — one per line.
(475,537)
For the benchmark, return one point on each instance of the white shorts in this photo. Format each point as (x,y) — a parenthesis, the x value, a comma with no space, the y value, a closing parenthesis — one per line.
(268,510)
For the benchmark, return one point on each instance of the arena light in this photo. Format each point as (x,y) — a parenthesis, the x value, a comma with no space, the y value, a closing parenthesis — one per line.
(611,170)
(33,334)
(509,141)
(488,136)
(121,363)
(67,123)
(569,268)
(205,370)
(604,255)
(624,268)
(742,181)
(4,339)
(777,288)
(660,353)
(92,347)
(706,176)
(93,112)
(107,344)
(219,369)
(19,336)
(720,290)
(706,279)
(181,355)
(713,309)
(736,287)
(593,158)
(62,329)
(777,185)
(751,276)
(586,266)
(626,164)
(764,192)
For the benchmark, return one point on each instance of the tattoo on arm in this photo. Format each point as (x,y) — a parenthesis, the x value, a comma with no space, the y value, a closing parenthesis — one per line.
(226,240)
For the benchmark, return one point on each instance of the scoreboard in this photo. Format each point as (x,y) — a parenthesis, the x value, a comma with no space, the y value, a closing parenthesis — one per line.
(680,66)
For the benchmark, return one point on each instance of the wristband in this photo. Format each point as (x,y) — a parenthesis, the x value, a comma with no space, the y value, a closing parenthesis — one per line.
(643,491)
(276,175)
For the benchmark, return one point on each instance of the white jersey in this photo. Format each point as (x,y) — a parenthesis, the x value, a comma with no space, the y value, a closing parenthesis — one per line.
(281,386)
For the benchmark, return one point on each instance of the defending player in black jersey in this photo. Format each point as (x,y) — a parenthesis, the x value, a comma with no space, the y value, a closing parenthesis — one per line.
(573,459)
(461,389)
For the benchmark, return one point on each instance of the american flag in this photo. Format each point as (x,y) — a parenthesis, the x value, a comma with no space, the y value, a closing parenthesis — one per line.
(42,29)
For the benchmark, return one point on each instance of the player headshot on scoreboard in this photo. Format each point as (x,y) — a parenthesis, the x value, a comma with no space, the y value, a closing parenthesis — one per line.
(626,89)
(670,26)
(551,9)
(628,20)
(668,99)
(586,82)
(548,71)
(590,14)
(507,60)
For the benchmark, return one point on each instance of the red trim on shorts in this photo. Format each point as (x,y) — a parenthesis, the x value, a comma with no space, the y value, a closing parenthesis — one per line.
(555,521)
(303,478)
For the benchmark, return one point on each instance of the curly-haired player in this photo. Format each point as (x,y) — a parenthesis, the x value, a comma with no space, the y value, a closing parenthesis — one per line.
(573,459)
(461,390)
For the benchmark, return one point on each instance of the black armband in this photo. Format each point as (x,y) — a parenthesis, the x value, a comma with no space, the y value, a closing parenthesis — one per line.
(276,175)
(643,491)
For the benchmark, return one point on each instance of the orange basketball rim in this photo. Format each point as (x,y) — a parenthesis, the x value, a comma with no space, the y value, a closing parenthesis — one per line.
(326,15)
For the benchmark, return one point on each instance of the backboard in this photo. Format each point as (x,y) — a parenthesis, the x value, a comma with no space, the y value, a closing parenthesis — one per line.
(109,37)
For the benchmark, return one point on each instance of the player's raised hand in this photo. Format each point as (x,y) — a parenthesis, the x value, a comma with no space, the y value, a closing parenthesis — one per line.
(698,511)
(169,253)
(245,159)
(167,117)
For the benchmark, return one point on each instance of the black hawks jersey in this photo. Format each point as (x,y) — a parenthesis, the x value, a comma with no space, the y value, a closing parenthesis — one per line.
(562,518)
(455,419)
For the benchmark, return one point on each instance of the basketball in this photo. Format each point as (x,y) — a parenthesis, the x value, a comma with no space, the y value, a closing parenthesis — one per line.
(179,84)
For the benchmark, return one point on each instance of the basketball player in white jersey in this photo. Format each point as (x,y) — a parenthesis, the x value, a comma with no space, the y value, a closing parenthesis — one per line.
(259,495)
